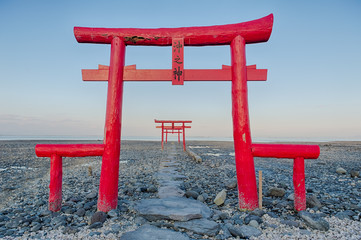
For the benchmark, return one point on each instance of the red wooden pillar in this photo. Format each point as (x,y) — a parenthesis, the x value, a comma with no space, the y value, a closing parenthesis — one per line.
(184,137)
(162,135)
(178,136)
(166,136)
(108,187)
(56,175)
(246,177)
(299,183)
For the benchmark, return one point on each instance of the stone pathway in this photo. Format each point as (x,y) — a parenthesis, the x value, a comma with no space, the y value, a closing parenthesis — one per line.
(188,214)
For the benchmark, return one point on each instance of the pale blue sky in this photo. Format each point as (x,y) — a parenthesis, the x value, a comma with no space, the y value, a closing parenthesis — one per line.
(313,59)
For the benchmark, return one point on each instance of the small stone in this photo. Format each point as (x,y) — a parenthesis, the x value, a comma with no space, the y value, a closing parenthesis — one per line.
(89,205)
(200,198)
(312,201)
(69,211)
(96,225)
(152,189)
(98,217)
(276,192)
(70,230)
(80,212)
(251,217)
(313,221)
(36,228)
(45,213)
(290,223)
(200,226)
(223,215)
(253,223)
(221,197)
(115,228)
(272,215)
(192,194)
(152,233)
(244,231)
(258,212)
(113,213)
(231,184)
(91,195)
(341,170)
(291,197)
(354,173)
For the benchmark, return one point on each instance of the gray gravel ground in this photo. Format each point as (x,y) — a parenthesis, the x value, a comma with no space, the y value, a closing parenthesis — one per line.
(332,197)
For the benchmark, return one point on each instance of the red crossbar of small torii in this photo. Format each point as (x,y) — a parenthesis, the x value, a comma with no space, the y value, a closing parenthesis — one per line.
(166,128)
(235,35)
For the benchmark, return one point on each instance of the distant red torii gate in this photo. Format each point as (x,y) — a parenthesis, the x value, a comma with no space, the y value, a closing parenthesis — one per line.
(235,35)
(173,127)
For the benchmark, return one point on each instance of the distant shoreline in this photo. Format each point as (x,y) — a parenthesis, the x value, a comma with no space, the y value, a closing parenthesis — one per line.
(174,139)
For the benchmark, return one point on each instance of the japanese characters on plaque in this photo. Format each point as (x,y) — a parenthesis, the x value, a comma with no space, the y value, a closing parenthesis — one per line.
(177,61)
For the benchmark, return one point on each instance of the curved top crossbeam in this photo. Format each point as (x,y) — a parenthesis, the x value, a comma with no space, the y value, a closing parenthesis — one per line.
(255,31)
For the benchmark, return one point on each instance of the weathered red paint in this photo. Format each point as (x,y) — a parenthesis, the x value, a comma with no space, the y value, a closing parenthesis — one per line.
(298,153)
(246,176)
(133,74)
(253,32)
(286,151)
(69,150)
(108,186)
(55,186)
(235,35)
(299,183)
(56,152)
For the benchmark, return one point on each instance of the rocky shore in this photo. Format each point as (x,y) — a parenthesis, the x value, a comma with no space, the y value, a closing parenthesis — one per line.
(169,195)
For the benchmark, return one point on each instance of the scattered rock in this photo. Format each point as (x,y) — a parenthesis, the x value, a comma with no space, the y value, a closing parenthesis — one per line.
(152,189)
(221,197)
(98,217)
(341,170)
(231,184)
(91,195)
(192,194)
(313,221)
(200,226)
(354,173)
(113,213)
(312,201)
(251,217)
(80,212)
(96,225)
(291,197)
(253,223)
(153,233)
(258,212)
(276,192)
(244,231)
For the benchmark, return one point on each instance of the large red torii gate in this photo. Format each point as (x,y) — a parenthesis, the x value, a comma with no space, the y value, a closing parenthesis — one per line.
(173,128)
(235,35)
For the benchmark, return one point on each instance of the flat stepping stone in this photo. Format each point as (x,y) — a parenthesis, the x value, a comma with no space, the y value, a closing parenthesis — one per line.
(200,226)
(178,209)
(170,176)
(153,233)
(169,164)
(170,191)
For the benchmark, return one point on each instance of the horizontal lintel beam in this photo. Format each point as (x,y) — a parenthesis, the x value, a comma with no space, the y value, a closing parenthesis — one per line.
(255,31)
(285,151)
(172,121)
(133,74)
